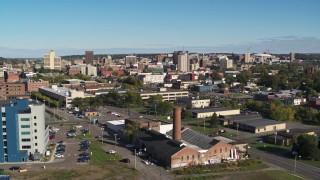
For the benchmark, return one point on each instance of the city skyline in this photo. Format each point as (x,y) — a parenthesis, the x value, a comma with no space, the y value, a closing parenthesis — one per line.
(32,28)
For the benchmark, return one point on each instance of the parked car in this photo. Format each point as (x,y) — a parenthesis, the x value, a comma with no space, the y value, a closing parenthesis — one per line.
(15,168)
(59,155)
(84,159)
(112,151)
(84,154)
(125,160)
(78,126)
(129,145)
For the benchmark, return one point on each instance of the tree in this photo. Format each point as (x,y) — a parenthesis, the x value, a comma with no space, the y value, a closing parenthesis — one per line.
(214,121)
(186,114)
(164,107)
(308,146)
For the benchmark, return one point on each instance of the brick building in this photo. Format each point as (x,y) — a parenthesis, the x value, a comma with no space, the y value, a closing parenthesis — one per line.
(35,85)
(11,77)
(183,147)
(15,90)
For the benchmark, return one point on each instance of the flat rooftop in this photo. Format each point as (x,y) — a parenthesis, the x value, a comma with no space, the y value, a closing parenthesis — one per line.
(260,122)
(62,91)
(204,110)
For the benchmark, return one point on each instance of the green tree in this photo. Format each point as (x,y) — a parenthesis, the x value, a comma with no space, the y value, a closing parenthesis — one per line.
(186,114)
(214,121)
(308,146)
(164,107)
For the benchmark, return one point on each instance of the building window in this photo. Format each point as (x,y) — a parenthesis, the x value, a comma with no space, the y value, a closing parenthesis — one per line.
(4,136)
(25,133)
(25,119)
(34,117)
(5,143)
(36,137)
(192,157)
(26,140)
(35,130)
(4,130)
(181,158)
(188,158)
(25,126)
(3,114)
(36,144)
(4,123)
(26,147)
(220,150)
(35,124)
(225,150)
(215,151)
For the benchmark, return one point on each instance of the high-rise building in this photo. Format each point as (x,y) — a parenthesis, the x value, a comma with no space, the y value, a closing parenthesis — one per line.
(247,57)
(292,56)
(51,61)
(183,62)
(88,70)
(89,57)
(226,63)
(130,60)
(23,130)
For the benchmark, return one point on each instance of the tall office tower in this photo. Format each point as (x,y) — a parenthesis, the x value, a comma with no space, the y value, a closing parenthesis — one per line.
(130,60)
(183,62)
(247,57)
(51,61)
(23,129)
(89,57)
(292,56)
(226,63)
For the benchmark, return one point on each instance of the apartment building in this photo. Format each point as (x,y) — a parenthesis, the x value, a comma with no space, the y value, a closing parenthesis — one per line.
(23,130)
(51,61)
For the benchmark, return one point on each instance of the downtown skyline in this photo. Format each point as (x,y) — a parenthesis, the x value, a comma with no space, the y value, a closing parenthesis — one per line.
(31,28)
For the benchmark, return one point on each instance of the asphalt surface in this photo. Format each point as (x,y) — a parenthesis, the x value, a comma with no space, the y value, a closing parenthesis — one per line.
(304,170)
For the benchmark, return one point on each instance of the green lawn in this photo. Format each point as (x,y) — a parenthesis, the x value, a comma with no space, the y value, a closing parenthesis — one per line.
(270,147)
(311,162)
(99,156)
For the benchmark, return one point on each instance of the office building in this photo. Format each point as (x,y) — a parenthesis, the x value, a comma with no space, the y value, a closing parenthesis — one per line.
(183,62)
(226,63)
(35,85)
(51,61)
(292,56)
(89,57)
(130,61)
(63,95)
(23,129)
(89,70)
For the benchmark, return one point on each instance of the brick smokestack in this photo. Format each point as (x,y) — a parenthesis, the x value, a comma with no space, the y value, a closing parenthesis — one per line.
(176,124)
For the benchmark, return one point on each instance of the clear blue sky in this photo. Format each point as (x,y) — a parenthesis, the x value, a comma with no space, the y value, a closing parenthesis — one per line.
(30,28)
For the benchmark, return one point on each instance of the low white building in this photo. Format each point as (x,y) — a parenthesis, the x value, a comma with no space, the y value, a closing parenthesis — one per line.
(63,95)
(148,78)
(208,112)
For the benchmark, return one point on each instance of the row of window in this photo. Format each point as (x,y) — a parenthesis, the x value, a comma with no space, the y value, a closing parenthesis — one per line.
(215,151)
(28,132)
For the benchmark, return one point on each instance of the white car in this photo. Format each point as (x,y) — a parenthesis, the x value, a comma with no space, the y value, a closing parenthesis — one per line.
(112,152)
(78,126)
(59,155)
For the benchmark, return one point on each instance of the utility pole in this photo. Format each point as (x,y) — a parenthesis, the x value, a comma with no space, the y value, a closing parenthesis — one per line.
(115,141)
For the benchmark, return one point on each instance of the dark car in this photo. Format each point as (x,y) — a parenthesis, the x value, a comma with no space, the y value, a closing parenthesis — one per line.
(15,168)
(125,160)
(84,154)
(84,159)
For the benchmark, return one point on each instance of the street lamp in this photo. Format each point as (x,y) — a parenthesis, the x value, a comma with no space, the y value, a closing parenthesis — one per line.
(295,162)
(102,129)
(115,142)
(275,138)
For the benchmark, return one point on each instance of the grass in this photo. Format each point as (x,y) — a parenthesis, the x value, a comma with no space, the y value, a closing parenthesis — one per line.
(99,156)
(264,175)
(270,147)
(311,162)
(242,165)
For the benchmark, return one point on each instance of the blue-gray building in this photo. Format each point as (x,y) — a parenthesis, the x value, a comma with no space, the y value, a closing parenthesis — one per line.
(22,131)
(205,88)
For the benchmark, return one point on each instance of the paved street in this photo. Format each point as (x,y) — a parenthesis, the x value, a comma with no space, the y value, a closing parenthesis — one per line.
(303,170)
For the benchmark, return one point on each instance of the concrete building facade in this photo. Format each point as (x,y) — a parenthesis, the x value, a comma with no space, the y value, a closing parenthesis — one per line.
(23,130)
(51,61)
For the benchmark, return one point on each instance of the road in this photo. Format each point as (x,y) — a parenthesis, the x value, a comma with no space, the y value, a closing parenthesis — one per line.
(303,170)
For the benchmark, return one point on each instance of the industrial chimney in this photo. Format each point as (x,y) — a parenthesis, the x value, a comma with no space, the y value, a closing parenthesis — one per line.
(176,124)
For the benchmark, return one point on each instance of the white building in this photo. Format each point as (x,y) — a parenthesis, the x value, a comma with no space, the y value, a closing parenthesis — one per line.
(148,78)
(63,95)
(226,63)
(51,61)
(183,62)
(88,70)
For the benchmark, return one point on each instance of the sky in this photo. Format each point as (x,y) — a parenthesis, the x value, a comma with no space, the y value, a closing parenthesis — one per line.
(31,28)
